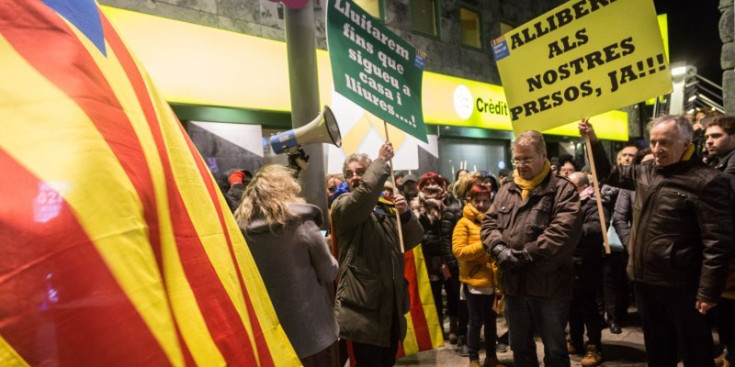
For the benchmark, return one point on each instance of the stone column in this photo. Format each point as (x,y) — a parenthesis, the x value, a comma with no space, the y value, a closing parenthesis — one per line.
(727,58)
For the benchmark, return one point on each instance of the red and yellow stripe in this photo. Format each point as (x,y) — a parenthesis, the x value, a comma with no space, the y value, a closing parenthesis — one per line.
(424,331)
(116,247)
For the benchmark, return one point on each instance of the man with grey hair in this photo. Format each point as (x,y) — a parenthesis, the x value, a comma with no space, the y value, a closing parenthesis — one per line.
(531,230)
(371,295)
(680,241)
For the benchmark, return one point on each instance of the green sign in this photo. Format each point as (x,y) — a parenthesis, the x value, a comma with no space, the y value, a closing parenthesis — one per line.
(375,68)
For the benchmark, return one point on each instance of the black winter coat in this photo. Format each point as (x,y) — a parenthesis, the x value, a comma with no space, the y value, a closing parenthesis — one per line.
(682,230)
(452,214)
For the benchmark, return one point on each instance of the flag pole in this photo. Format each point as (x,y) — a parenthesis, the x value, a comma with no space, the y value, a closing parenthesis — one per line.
(598,197)
(393,179)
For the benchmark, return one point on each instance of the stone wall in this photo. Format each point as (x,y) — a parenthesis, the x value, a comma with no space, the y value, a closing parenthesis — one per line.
(446,55)
(727,58)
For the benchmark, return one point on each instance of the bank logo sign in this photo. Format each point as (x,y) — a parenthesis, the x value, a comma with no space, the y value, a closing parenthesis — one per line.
(463,102)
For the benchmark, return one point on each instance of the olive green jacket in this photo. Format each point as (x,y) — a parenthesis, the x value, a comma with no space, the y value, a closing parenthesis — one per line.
(372,291)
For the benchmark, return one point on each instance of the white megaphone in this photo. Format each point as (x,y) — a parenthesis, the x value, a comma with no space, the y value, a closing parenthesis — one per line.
(322,129)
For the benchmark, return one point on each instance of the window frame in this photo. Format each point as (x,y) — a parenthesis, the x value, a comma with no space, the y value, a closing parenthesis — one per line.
(381,8)
(476,10)
(437,21)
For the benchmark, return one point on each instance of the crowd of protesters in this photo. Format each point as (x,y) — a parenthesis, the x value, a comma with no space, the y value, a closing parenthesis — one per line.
(526,245)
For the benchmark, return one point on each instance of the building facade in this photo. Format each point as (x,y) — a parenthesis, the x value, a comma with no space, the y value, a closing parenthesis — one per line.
(455,34)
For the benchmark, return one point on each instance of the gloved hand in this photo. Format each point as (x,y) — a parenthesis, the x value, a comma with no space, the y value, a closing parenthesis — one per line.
(297,160)
(236,177)
(507,258)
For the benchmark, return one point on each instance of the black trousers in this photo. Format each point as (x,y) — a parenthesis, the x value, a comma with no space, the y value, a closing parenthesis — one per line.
(672,327)
(368,355)
(615,286)
(583,314)
(725,312)
(436,290)
(482,316)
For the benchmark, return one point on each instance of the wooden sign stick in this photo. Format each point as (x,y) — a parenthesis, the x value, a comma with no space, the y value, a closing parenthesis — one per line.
(395,187)
(598,197)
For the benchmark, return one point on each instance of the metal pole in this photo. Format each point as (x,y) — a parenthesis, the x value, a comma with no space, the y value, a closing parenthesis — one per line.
(305,105)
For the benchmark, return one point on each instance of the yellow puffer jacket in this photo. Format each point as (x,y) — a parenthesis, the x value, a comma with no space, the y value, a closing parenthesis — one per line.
(475,267)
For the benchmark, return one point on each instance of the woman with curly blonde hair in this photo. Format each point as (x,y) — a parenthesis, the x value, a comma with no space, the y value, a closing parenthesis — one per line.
(282,232)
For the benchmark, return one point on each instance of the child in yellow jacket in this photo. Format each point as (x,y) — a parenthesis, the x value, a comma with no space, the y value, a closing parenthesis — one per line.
(477,274)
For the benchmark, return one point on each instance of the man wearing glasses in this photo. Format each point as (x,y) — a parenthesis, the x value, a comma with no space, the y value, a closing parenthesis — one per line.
(531,230)
(372,297)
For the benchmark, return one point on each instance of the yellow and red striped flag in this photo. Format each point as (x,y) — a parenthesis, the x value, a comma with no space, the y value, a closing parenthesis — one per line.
(424,331)
(116,249)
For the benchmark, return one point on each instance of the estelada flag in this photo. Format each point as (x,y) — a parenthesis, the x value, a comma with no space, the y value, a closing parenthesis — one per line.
(116,248)
(423,329)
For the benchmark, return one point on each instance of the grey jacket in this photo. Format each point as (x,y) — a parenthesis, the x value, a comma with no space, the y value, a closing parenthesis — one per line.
(623,215)
(296,266)
(372,292)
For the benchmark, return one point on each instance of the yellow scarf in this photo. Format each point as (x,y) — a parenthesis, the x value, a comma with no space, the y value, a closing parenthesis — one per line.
(528,185)
(688,153)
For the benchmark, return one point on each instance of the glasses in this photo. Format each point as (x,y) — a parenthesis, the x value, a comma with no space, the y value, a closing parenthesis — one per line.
(358,172)
(522,161)
(331,189)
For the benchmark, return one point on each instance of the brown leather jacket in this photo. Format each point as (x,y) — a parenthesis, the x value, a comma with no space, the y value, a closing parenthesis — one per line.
(682,230)
(547,225)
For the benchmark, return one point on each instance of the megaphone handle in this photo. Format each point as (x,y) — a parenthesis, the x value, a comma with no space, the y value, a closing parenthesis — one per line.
(393,180)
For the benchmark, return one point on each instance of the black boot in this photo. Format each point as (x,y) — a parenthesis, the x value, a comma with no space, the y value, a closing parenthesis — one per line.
(453,329)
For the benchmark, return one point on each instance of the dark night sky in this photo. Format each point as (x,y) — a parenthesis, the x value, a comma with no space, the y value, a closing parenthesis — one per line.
(693,34)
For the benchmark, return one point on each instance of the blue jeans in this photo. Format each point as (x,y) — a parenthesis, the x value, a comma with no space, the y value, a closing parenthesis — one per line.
(546,317)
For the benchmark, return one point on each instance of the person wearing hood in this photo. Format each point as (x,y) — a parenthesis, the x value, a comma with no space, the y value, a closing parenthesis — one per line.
(282,233)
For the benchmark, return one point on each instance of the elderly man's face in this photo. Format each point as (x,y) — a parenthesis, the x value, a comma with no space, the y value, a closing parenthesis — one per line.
(354,172)
(528,161)
(667,144)
(627,155)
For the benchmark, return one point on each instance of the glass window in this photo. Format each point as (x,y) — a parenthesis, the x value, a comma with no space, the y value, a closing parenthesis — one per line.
(471,29)
(372,7)
(423,16)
